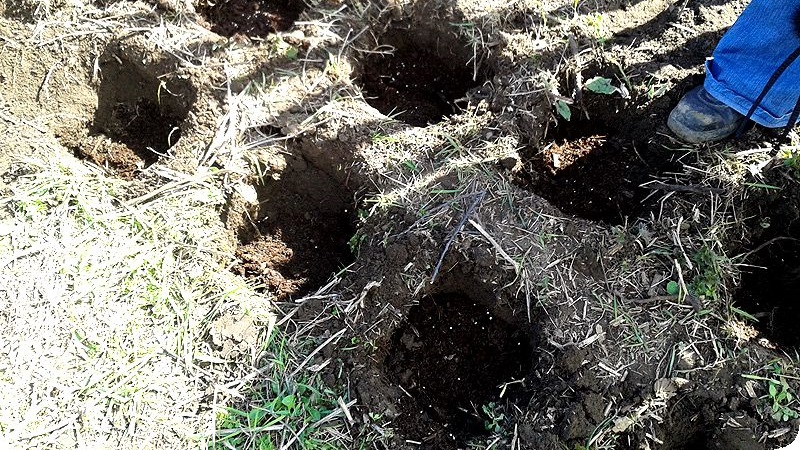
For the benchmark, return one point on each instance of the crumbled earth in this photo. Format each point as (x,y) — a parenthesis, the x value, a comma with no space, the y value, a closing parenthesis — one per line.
(463,265)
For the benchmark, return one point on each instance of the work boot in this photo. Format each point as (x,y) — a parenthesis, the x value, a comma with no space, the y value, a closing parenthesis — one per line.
(699,117)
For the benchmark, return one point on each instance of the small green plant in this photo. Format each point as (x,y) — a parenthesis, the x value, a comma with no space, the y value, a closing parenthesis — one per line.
(601,85)
(562,108)
(355,242)
(673,288)
(410,166)
(780,394)
(791,160)
(495,417)
(284,48)
(657,90)
(705,285)
(378,138)
(596,23)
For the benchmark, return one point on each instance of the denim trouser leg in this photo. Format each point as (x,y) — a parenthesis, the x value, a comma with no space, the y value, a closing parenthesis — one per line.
(749,53)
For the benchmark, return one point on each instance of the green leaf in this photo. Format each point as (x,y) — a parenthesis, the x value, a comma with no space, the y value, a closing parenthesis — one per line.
(289,401)
(600,85)
(255,416)
(773,391)
(673,288)
(563,110)
(744,314)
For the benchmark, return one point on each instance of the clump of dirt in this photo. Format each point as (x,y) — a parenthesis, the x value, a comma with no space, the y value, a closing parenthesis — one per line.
(590,171)
(253,18)
(138,116)
(452,358)
(424,79)
(302,231)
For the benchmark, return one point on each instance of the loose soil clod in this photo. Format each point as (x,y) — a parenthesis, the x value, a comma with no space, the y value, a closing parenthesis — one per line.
(254,18)
(453,357)
(425,79)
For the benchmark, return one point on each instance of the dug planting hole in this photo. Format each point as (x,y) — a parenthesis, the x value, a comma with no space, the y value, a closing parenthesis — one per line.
(419,76)
(253,18)
(769,290)
(304,222)
(587,170)
(456,361)
(138,116)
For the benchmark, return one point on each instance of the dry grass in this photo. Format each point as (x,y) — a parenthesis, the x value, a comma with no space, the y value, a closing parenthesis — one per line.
(107,309)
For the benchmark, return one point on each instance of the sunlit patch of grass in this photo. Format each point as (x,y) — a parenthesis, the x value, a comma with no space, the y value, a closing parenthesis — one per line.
(109,302)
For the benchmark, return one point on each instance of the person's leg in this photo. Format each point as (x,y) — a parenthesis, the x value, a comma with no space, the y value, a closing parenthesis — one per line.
(746,58)
(748,55)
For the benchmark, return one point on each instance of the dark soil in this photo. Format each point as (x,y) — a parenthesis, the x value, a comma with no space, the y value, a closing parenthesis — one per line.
(253,18)
(589,171)
(452,358)
(304,224)
(420,83)
(770,290)
(144,127)
(771,267)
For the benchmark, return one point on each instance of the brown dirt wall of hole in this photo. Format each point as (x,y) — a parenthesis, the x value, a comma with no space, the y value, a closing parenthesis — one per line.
(253,18)
(426,77)
(300,232)
(67,101)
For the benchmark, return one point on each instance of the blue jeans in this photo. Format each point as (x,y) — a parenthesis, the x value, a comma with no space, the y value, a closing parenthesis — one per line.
(762,38)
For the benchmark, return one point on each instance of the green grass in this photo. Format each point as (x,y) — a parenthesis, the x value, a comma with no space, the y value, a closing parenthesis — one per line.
(282,411)
(780,397)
